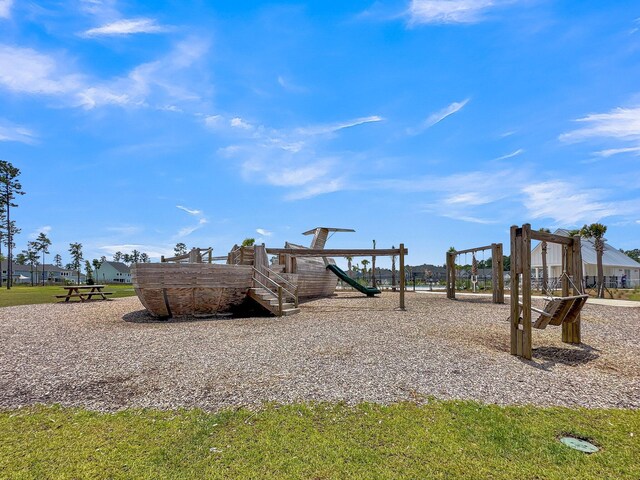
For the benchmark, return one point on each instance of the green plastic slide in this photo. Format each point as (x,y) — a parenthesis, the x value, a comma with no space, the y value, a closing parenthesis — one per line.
(342,275)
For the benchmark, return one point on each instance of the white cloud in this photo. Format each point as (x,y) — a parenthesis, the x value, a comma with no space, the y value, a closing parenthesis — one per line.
(213,121)
(451,11)
(237,122)
(619,123)
(5,8)
(155,84)
(24,70)
(189,211)
(202,221)
(16,133)
(438,117)
(46,229)
(565,204)
(324,129)
(520,151)
(263,232)
(290,86)
(289,158)
(127,27)
(319,188)
(127,230)
(616,151)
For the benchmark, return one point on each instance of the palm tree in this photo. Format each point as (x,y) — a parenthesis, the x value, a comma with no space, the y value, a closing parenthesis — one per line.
(543,249)
(349,259)
(597,231)
(364,262)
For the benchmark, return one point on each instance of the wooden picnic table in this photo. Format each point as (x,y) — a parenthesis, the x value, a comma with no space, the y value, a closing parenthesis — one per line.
(84,292)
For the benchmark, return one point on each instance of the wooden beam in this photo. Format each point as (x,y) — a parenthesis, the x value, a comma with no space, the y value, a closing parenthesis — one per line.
(337,252)
(472,250)
(550,237)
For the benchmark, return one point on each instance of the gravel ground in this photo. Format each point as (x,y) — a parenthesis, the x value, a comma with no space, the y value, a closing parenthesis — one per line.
(112,355)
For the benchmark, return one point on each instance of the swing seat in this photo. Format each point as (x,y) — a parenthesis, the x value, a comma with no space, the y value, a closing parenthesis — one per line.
(559,310)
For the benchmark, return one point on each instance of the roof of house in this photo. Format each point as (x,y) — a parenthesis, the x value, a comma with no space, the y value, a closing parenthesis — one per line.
(119,267)
(611,256)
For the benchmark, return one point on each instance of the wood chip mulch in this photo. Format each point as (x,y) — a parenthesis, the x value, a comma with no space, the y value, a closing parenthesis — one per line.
(110,355)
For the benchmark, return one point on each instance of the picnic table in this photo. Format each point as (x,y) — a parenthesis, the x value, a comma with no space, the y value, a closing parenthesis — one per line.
(84,292)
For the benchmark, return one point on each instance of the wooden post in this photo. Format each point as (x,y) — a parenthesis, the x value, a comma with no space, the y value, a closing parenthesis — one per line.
(373,267)
(497,273)
(402,280)
(571,330)
(280,300)
(451,275)
(521,316)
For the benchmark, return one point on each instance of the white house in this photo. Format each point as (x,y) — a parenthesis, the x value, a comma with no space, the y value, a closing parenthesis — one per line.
(113,272)
(617,266)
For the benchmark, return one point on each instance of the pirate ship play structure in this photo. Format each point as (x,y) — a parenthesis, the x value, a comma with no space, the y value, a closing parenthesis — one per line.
(193,285)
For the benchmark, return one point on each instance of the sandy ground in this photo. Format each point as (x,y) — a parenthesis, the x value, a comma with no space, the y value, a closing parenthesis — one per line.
(113,355)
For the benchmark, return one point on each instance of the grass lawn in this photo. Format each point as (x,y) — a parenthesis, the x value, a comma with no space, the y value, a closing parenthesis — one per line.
(22,295)
(438,440)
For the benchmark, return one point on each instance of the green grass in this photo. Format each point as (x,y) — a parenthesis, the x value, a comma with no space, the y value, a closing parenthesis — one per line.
(23,295)
(439,440)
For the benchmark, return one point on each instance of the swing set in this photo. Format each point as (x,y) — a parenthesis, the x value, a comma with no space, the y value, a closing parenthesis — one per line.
(497,275)
(563,310)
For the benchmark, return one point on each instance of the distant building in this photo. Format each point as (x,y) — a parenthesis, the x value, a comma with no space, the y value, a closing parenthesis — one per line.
(615,263)
(22,274)
(113,272)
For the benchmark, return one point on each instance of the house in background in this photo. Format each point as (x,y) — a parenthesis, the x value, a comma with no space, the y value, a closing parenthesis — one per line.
(22,274)
(113,272)
(615,264)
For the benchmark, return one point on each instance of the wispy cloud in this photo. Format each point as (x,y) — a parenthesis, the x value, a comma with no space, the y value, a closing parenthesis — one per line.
(452,11)
(289,158)
(46,229)
(238,122)
(23,70)
(330,128)
(438,116)
(5,8)
(127,230)
(566,204)
(619,123)
(127,27)
(154,84)
(616,151)
(289,85)
(188,230)
(520,151)
(16,133)
(189,210)
(263,232)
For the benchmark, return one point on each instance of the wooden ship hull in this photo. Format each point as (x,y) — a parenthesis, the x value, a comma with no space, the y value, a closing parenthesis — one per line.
(247,280)
(313,278)
(178,289)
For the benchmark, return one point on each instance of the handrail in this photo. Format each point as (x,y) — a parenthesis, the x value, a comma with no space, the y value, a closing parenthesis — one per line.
(284,280)
(277,285)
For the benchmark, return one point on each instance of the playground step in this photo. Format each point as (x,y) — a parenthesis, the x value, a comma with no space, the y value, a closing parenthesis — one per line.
(266,299)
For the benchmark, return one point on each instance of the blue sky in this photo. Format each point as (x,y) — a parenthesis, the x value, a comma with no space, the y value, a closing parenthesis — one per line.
(433,123)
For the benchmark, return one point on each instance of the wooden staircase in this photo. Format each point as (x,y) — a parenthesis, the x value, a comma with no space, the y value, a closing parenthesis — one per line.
(270,301)
(270,289)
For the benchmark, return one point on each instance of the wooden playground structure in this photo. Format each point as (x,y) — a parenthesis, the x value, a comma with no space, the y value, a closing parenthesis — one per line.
(564,310)
(191,284)
(497,276)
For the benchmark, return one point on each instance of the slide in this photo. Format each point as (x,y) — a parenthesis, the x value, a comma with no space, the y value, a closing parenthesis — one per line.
(342,275)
